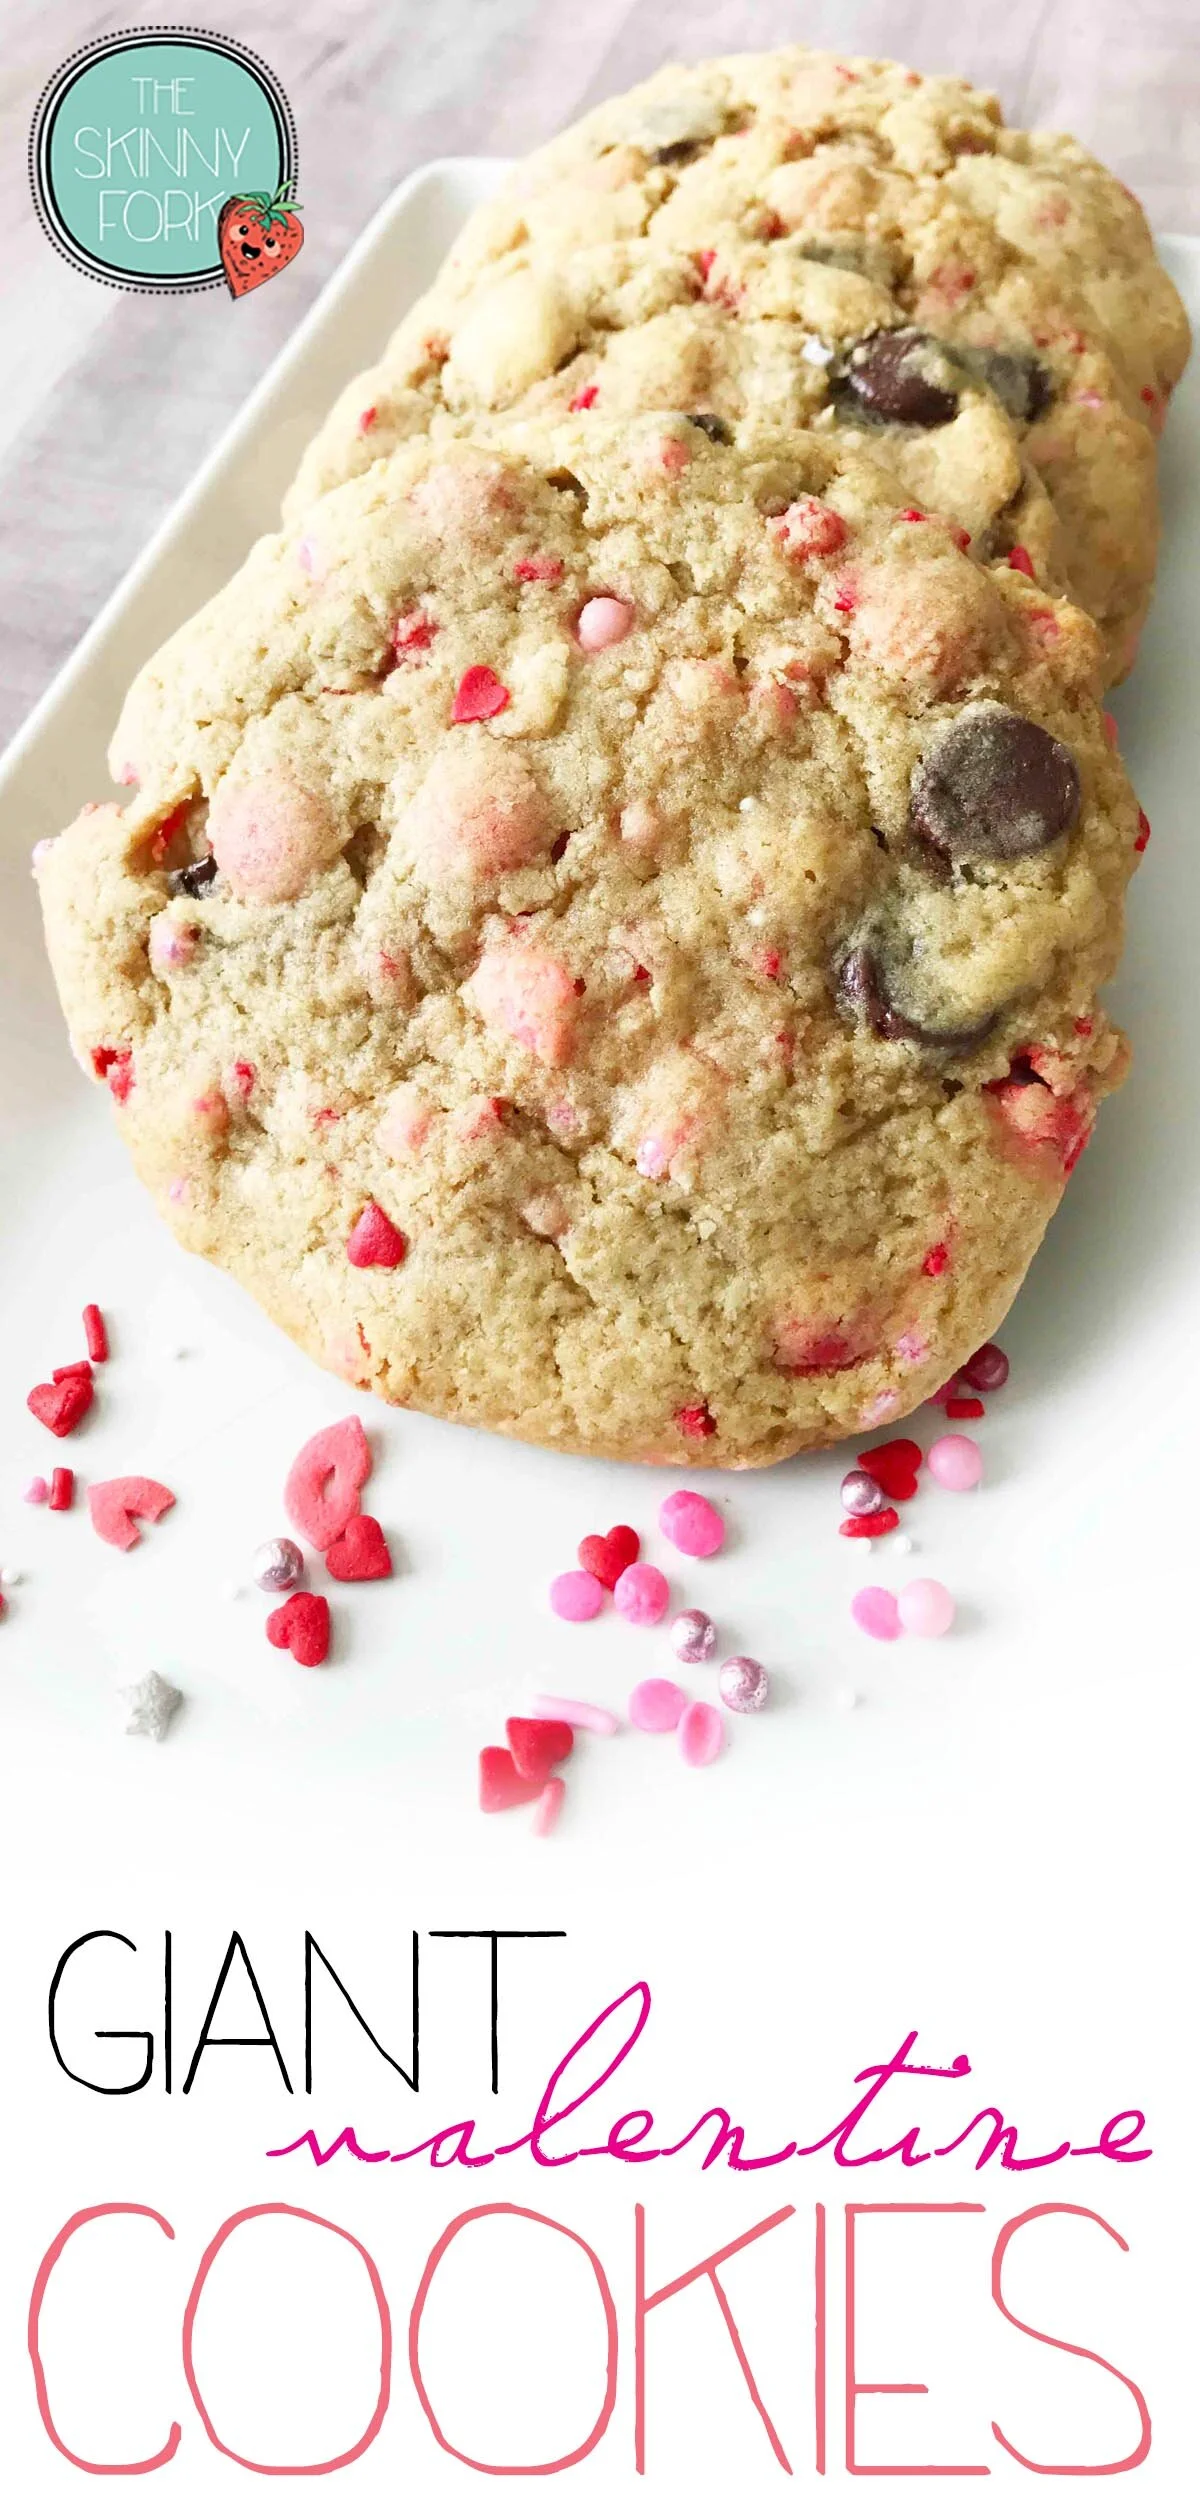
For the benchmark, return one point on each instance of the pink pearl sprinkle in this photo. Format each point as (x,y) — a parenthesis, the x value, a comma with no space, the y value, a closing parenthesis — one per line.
(691,1523)
(657,1705)
(576,1596)
(955,1461)
(877,1613)
(926,1608)
(548,1806)
(603,621)
(701,1734)
(35,1491)
(641,1595)
(577,1712)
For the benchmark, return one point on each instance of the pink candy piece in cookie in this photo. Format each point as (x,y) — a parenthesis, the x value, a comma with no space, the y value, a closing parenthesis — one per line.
(603,622)
(270,837)
(478,814)
(326,1480)
(808,530)
(406,1123)
(171,946)
(690,1523)
(374,1242)
(117,1506)
(530,997)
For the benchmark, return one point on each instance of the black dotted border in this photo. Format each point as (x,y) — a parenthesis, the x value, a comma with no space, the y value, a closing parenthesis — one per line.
(123,38)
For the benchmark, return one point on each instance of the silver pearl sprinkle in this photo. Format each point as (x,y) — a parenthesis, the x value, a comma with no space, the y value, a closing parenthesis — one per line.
(693,1636)
(277,1566)
(861,1494)
(743,1684)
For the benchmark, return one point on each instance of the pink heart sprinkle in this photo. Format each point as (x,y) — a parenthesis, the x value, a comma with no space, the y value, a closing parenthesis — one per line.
(701,1734)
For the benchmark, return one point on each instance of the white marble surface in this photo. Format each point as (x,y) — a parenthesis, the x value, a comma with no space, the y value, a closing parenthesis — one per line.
(108,400)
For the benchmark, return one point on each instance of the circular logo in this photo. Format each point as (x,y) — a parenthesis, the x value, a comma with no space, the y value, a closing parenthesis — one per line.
(165,158)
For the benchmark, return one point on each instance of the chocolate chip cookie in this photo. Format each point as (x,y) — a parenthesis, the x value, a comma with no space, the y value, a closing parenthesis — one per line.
(606,942)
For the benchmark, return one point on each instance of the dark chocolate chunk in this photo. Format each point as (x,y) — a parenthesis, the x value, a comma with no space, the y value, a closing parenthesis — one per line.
(996,787)
(677,152)
(196,879)
(718,430)
(889,375)
(1017,378)
(862,987)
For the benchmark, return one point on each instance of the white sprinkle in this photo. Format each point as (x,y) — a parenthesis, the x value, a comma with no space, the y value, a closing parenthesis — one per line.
(153,1704)
(746,804)
(861,1543)
(847,1701)
(815,353)
(10,1575)
(233,1592)
(902,1545)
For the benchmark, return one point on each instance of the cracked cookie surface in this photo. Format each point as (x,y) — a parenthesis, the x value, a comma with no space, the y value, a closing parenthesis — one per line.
(606,943)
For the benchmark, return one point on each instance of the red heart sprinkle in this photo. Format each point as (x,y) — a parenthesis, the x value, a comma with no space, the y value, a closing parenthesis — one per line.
(59,1406)
(480,694)
(869,1526)
(301,1623)
(361,1554)
(375,1243)
(895,1466)
(537,1745)
(500,1786)
(607,1557)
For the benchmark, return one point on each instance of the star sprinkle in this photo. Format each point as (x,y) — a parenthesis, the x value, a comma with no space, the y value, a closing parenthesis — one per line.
(153,1704)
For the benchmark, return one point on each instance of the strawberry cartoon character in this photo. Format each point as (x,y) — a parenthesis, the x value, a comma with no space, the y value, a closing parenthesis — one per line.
(257,233)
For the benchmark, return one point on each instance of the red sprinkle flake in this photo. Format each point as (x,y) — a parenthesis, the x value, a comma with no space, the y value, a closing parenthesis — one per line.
(95,1334)
(375,1243)
(1143,831)
(67,1373)
(844,599)
(869,1526)
(480,694)
(937,1261)
(62,1491)
(367,419)
(1149,396)
(413,631)
(1018,558)
(116,1069)
(964,1408)
(1111,736)
(696,1422)
(243,1077)
(705,259)
(584,399)
(894,1465)
(542,568)
(1084,1026)
(160,840)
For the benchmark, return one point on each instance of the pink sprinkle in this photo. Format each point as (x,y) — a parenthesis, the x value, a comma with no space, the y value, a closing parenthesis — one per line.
(579,1713)
(955,1461)
(178,1189)
(583,400)
(925,1608)
(603,621)
(367,419)
(640,1595)
(549,1804)
(1111,736)
(1019,559)
(35,1491)
(576,1596)
(877,1613)
(701,1734)
(657,1706)
(541,568)
(691,1523)
(306,557)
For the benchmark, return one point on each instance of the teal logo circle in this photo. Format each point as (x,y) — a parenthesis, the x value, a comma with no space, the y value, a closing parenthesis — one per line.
(139,142)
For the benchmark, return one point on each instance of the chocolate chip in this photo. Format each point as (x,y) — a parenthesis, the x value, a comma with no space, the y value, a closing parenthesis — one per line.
(890,375)
(718,430)
(677,152)
(196,879)
(996,787)
(1017,379)
(863,988)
